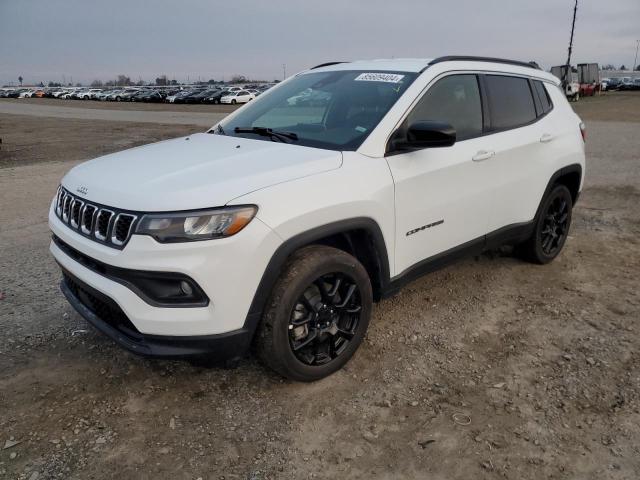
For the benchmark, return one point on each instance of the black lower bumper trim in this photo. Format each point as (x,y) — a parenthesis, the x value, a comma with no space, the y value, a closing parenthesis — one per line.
(221,347)
(158,289)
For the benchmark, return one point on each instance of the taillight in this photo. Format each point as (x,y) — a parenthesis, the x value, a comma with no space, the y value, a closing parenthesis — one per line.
(583,131)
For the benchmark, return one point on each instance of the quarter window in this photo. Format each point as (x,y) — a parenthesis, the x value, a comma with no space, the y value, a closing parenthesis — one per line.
(543,96)
(510,101)
(455,99)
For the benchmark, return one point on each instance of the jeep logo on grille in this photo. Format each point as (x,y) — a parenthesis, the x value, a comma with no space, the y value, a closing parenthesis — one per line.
(82,190)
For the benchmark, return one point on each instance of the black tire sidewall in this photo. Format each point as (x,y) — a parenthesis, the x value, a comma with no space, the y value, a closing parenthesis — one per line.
(558,190)
(295,281)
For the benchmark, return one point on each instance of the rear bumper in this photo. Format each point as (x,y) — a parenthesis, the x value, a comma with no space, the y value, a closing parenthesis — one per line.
(105,315)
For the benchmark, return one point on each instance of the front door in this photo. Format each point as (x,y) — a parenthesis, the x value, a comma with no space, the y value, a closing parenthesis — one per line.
(443,195)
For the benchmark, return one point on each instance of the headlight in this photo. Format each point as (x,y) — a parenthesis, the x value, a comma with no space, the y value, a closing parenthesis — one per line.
(196,225)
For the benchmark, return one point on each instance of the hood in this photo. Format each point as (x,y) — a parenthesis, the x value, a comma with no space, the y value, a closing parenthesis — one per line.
(199,171)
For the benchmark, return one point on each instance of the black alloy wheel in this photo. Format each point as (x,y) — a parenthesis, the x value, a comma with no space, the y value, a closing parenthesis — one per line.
(317,315)
(551,227)
(555,226)
(325,319)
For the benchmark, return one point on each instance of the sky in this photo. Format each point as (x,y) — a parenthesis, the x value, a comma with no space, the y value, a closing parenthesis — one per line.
(85,40)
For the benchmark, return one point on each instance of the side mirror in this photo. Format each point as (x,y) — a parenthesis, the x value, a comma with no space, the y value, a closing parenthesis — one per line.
(427,134)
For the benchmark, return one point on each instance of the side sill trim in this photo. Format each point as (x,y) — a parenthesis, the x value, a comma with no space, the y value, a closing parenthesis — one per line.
(510,234)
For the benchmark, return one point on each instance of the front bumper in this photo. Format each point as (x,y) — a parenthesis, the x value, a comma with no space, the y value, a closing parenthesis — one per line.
(105,315)
(228,271)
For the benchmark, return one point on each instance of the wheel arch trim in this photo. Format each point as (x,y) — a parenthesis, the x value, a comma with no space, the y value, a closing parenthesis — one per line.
(566,170)
(282,253)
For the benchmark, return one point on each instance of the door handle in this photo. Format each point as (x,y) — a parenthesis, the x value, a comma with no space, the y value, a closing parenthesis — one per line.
(546,138)
(483,155)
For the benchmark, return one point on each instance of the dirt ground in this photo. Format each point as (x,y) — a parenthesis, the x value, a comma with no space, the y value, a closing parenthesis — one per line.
(491,368)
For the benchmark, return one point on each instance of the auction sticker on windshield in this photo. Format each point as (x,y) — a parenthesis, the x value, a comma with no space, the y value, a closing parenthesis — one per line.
(379,77)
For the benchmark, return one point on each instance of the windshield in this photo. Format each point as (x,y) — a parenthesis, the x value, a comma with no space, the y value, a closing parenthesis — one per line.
(335,110)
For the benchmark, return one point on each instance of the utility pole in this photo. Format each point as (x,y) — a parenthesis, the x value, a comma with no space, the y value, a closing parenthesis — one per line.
(567,76)
(635,60)
(284,71)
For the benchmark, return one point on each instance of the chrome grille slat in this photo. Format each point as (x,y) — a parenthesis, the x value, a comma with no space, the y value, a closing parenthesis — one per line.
(59,197)
(74,213)
(97,230)
(90,210)
(99,223)
(121,222)
(66,205)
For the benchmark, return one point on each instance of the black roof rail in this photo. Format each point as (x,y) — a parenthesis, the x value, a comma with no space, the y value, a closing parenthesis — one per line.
(470,58)
(326,65)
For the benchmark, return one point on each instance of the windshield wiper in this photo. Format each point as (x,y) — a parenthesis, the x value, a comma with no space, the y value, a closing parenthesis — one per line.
(267,132)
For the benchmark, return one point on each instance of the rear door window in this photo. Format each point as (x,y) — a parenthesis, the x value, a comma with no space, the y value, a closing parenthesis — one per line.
(510,101)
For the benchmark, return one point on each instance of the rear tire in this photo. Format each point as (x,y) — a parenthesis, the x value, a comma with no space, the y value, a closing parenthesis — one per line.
(317,315)
(551,227)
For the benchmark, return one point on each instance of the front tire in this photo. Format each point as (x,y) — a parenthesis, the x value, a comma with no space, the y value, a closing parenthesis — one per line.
(551,228)
(317,315)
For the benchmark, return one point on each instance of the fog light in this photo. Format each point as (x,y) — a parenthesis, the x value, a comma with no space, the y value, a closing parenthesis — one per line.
(186,288)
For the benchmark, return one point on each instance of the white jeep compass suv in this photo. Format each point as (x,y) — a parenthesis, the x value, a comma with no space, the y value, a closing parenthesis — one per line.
(279,227)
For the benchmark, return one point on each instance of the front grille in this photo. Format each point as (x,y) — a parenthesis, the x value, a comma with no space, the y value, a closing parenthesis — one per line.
(103,224)
(102,306)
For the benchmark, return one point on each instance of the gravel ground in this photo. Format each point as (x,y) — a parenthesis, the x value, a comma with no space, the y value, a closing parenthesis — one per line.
(491,368)
(168,117)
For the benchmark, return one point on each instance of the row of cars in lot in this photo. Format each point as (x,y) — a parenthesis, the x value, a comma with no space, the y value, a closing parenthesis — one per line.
(187,94)
(620,83)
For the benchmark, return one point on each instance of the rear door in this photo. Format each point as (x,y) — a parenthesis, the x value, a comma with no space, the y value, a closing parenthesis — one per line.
(522,134)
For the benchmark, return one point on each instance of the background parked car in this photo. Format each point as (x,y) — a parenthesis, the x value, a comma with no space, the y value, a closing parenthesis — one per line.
(241,96)
(215,98)
(90,94)
(125,95)
(153,96)
(102,96)
(199,97)
(138,95)
(15,93)
(627,83)
(178,97)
